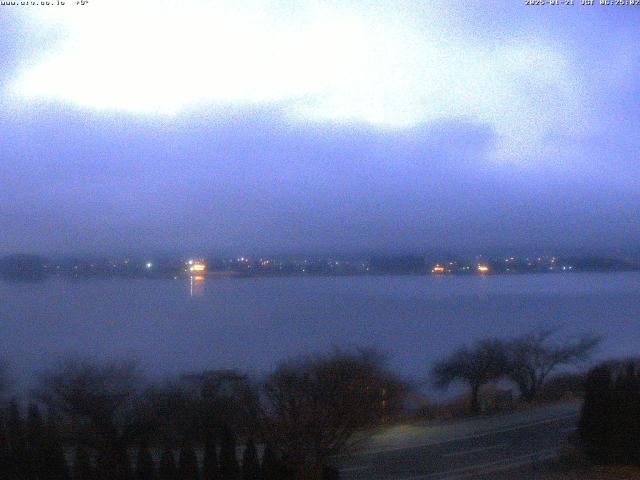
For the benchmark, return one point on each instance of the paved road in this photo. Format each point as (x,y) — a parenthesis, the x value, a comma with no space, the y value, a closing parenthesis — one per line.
(506,446)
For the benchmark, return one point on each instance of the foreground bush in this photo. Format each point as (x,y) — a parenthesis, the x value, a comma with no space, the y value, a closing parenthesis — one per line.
(112,425)
(610,419)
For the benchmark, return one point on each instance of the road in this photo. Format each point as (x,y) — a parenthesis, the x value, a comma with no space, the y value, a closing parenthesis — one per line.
(505,446)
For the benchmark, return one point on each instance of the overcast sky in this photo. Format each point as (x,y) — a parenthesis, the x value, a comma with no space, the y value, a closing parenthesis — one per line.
(313,125)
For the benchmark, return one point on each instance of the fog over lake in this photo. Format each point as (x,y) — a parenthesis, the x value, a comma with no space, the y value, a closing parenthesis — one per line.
(253,323)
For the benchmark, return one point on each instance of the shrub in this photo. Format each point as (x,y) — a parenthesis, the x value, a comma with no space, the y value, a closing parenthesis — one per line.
(609,424)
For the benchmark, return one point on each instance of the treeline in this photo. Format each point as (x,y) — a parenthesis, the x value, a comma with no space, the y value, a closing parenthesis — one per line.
(21,267)
(526,361)
(33,448)
(105,422)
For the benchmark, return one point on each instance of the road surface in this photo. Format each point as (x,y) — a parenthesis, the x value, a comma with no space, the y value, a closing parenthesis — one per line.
(505,446)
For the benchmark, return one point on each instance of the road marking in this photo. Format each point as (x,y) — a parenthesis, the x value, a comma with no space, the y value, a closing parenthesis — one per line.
(459,439)
(463,472)
(474,450)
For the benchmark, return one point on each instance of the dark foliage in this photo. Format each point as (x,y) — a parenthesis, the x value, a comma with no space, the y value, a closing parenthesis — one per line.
(114,465)
(35,444)
(210,467)
(54,451)
(187,463)
(563,386)
(610,419)
(195,405)
(250,462)
(330,473)
(272,467)
(17,446)
(5,453)
(82,466)
(106,417)
(402,264)
(168,469)
(99,402)
(228,462)
(314,406)
(145,467)
(226,397)
(30,449)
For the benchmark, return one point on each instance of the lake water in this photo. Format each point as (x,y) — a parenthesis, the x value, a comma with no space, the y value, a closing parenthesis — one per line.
(252,323)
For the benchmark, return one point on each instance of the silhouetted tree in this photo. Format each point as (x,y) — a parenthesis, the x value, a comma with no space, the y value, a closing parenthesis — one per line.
(187,463)
(272,467)
(176,411)
(532,357)
(54,451)
(82,466)
(145,468)
(594,427)
(330,473)
(250,462)
(5,452)
(625,443)
(210,470)
(476,366)
(37,467)
(229,469)
(168,469)
(224,397)
(609,423)
(123,469)
(315,405)
(18,454)
(100,402)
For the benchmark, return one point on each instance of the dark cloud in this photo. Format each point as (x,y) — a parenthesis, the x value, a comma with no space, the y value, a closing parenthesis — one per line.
(79,182)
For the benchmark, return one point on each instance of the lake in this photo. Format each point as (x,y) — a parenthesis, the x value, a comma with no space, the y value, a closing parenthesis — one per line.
(253,323)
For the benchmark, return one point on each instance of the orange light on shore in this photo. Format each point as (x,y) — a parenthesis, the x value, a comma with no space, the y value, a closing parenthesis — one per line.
(483,268)
(437,269)
(197,266)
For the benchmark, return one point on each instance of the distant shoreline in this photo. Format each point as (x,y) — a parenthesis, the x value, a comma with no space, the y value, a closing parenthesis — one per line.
(35,267)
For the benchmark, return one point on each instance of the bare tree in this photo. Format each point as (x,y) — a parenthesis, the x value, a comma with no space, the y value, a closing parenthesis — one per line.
(314,406)
(531,358)
(100,404)
(476,366)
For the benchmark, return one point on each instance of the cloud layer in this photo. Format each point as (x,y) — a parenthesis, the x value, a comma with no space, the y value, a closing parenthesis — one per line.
(307,125)
(393,66)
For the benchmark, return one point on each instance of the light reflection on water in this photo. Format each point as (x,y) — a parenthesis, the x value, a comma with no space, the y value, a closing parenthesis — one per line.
(196,285)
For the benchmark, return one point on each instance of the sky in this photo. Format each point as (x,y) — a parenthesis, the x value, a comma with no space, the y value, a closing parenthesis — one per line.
(318,126)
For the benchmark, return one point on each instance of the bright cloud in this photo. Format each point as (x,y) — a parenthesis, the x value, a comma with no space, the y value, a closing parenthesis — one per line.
(314,59)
